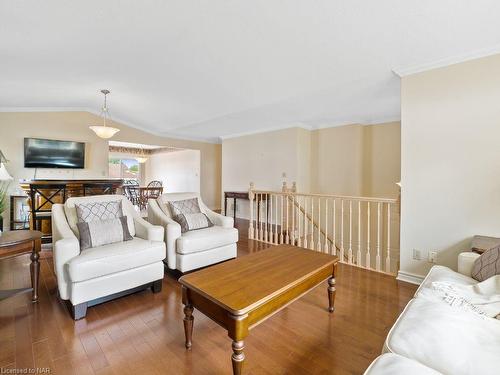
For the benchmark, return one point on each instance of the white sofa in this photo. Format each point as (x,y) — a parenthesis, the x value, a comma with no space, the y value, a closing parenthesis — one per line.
(443,338)
(198,248)
(98,274)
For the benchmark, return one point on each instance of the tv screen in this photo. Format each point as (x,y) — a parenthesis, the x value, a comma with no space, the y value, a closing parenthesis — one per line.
(48,153)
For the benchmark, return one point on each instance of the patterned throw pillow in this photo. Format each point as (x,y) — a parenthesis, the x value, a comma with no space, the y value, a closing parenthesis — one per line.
(186,206)
(487,265)
(102,232)
(193,221)
(87,212)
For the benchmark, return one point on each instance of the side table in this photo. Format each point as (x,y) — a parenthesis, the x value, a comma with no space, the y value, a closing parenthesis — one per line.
(19,242)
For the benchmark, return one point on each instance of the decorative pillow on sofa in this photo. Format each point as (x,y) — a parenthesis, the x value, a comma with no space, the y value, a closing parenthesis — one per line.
(87,212)
(102,232)
(487,265)
(193,221)
(186,206)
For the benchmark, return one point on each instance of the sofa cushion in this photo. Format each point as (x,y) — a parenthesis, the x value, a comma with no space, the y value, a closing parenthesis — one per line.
(71,216)
(442,273)
(393,364)
(487,265)
(206,239)
(93,211)
(102,232)
(112,258)
(185,206)
(193,221)
(447,339)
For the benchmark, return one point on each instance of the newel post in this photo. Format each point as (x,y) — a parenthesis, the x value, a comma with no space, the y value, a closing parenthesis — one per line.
(251,197)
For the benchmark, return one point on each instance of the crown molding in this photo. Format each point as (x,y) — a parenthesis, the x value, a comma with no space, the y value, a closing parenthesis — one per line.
(441,63)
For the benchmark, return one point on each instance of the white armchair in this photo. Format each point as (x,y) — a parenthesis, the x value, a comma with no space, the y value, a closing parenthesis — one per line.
(102,273)
(198,248)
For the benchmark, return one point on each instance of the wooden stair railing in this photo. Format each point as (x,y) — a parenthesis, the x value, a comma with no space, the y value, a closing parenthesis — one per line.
(360,230)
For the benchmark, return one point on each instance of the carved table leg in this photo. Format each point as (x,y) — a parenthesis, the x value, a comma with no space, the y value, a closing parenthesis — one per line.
(35,269)
(188,325)
(331,290)
(238,357)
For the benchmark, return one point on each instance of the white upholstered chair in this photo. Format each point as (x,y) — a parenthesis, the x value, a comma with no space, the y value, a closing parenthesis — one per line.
(197,248)
(98,274)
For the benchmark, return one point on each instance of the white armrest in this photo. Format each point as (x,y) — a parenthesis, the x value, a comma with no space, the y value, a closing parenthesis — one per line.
(219,220)
(66,247)
(466,262)
(148,231)
(172,230)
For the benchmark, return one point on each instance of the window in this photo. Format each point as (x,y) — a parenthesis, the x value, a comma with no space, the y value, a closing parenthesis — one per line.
(126,168)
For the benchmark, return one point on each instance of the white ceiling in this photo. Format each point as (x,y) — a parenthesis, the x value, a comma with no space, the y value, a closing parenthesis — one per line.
(214,68)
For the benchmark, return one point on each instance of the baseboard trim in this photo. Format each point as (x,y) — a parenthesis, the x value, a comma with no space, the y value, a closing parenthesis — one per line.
(409,277)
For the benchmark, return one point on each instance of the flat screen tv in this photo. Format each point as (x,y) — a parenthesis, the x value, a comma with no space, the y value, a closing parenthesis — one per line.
(49,153)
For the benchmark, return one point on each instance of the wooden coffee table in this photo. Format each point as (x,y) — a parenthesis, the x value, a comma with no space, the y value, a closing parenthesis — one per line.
(241,293)
(19,242)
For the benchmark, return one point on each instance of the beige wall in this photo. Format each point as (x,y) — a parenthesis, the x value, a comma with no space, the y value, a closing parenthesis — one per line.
(74,126)
(337,160)
(382,160)
(450,160)
(359,160)
(347,160)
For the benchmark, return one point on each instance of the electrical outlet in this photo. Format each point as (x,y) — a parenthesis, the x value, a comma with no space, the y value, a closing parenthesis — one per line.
(432,256)
(416,254)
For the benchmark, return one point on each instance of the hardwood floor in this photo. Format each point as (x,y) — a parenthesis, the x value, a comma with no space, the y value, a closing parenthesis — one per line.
(143,333)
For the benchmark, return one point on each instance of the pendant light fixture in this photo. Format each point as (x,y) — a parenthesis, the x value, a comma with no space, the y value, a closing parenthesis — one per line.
(104,131)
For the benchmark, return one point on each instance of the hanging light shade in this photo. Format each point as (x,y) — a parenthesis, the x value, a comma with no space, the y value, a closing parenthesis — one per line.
(103,131)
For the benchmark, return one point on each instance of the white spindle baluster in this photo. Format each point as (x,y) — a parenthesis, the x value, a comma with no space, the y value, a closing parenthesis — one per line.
(334,222)
(368,260)
(349,253)
(318,244)
(299,235)
(341,230)
(276,234)
(281,221)
(306,223)
(311,243)
(250,198)
(326,245)
(287,236)
(388,257)
(271,233)
(266,211)
(261,233)
(293,220)
(358,256)
(377,259)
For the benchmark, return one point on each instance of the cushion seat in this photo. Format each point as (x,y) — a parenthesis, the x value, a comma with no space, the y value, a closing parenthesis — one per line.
(393,364)
(445,338)
(116,257)
(206,239)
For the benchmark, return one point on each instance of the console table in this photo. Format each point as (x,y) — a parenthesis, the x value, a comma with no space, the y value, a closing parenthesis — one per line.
(242,195)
